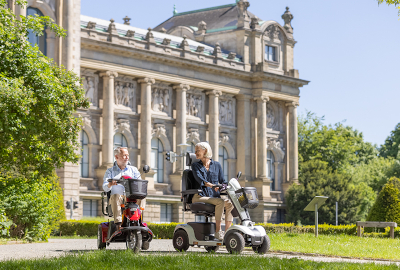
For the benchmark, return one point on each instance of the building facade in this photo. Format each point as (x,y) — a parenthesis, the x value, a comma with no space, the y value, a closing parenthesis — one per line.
(219,74)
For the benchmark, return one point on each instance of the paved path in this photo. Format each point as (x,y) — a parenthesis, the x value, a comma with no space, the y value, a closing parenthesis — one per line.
(59,247)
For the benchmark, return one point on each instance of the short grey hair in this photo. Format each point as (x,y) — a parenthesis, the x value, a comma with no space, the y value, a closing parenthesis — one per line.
(117,150)
(205,146)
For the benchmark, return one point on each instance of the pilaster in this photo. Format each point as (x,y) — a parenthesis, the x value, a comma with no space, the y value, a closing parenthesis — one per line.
(244,136)
(293,157)
(213,125)
(108,118)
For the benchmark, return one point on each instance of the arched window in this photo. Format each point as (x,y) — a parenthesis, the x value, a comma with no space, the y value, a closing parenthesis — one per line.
(32,37)
(120,141)
(157,160)
(223,159)
(271,168)
(191,147)
(85,155)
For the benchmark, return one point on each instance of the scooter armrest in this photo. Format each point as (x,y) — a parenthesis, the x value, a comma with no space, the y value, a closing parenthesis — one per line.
(191,191)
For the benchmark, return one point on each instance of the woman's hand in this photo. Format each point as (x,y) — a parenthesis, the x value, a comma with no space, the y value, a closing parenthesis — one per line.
(208,184)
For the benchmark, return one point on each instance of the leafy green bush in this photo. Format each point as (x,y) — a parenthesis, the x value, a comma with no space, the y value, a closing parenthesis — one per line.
(162,230)
(78,227)
(32,204)
(387,205)
(5,224)
(322,228)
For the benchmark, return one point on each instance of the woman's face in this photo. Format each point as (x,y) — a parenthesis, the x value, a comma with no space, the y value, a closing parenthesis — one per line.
(200,152)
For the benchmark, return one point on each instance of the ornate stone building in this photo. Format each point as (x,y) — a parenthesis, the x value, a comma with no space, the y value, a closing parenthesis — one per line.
(218,74)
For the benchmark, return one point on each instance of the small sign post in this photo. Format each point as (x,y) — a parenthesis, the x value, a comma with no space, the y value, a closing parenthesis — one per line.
(313,206)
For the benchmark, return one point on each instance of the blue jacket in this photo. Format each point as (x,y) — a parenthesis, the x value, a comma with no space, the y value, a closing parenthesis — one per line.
(214,176)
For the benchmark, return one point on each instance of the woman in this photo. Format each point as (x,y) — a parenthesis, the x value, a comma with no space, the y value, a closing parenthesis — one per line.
(208,173)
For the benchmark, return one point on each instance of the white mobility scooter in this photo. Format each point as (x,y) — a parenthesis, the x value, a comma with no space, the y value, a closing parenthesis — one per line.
(202,233)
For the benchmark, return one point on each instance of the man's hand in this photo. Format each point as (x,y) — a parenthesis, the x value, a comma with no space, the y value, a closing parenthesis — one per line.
(113,183)
(208,184)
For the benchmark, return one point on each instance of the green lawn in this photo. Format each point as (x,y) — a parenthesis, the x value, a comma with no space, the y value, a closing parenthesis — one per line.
(125,259)
(337,245)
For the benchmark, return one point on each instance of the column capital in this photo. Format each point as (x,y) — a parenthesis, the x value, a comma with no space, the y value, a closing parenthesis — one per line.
(182,87)
(292,104)
(147,80)
(263,99)
(216,93)
(112,74)
(243,97)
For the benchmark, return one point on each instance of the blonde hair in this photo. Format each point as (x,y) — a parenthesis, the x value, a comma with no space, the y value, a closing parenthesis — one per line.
(205,146)
(117,150)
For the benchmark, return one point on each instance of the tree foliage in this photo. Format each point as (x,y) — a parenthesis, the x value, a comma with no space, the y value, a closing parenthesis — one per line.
(37,99)
(391,146)
(338,145)
(318,179)
(387,205)
(32,203)
(396,3)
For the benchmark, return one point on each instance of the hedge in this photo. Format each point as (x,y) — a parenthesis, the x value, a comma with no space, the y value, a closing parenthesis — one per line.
(166,230)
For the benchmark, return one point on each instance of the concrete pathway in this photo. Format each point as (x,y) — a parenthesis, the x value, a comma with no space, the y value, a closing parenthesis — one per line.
(59,247)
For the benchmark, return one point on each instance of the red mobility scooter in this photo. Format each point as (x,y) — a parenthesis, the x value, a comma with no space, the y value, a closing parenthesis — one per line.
(133,231)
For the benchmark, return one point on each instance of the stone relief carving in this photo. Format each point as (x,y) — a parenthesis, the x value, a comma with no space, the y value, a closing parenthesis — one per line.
(122,124)
(87,121)
(90,82)
(272,115)
(125,93)
(223,137)
(194,103)
(161,98)
(227,110)
(159,130)
(273,32)
(276,146)
(193,135)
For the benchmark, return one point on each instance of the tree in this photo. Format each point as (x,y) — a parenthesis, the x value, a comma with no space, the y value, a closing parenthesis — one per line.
(337,145)
(396,3)
(387,205)
(37,99)
(391,146)
(317,179)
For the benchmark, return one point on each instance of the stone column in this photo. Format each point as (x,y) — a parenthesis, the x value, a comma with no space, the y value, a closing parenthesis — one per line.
(213,125)
(277,176)
(244,136)
(145,121)
(180,121)
(108,118)
(232,171)
(261,136)
(51,44)
(293,143)
(20,10)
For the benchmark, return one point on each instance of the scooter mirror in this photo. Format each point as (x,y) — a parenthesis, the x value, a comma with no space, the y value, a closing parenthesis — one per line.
(238,175)
(146,168)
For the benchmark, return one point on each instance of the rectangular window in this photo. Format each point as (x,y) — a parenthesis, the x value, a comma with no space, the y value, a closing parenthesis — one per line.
(270,53)
(90,208)
(166,212)
(281,215)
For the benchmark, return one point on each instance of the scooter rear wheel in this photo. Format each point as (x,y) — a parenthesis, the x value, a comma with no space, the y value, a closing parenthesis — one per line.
(264,247)
(134,241)
(181,240)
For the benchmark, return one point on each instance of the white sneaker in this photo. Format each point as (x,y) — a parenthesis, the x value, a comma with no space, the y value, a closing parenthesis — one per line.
(220,235)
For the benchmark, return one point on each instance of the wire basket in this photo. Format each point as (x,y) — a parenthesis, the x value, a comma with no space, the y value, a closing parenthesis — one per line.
(247,197)
(136,189)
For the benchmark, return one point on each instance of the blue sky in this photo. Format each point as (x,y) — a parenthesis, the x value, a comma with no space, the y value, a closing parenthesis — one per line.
(348,49)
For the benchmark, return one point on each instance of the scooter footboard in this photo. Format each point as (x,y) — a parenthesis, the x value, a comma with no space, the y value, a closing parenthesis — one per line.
(135,228)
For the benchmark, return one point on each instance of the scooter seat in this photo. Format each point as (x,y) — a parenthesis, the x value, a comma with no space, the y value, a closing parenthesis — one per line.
(200,207)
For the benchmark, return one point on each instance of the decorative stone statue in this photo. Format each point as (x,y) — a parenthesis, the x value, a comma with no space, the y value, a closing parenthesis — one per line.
(288,17)
(90,89)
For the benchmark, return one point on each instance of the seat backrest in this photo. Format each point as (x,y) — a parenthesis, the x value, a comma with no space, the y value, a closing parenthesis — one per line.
(188,182)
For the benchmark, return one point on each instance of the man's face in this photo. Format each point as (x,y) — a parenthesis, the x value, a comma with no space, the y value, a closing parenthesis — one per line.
(122,158)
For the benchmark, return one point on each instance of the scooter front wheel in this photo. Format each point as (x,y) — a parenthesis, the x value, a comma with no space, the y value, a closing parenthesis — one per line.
(134,241)
(181,240)
(264,247)
(235,243)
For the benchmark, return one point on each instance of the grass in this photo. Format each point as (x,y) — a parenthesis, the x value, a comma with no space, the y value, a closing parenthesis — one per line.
(337,245)
(125,259)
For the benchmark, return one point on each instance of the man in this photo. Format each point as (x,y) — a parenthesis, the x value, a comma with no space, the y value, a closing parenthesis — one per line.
(118,190)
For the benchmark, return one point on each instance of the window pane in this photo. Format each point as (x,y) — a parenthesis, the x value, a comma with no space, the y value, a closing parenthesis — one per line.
(86,208)
(165,212)
(154,143)
(117,140)
(124,142)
